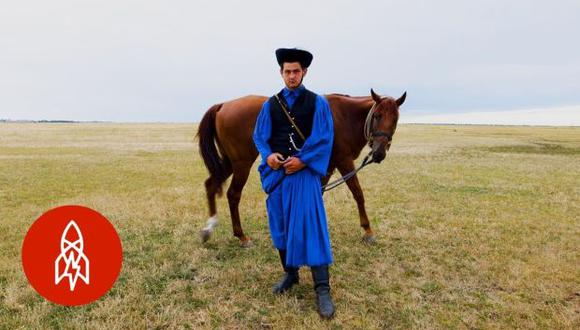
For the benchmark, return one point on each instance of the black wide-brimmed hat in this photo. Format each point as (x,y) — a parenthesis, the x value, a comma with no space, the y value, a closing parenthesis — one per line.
(294,55)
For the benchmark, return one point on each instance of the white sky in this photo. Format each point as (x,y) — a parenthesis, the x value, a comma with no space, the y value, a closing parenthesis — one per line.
(170,60)
(559,116)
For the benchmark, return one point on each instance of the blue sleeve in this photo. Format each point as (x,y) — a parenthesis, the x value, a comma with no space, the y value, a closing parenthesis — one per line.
(262,132)
(317,148)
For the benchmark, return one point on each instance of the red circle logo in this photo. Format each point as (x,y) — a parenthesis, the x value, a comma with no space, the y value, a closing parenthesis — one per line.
(72,255)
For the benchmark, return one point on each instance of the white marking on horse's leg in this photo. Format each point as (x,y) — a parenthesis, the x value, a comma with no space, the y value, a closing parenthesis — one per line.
(206,232)
(212,222)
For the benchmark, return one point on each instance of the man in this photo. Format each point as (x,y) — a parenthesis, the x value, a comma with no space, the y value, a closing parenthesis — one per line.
(294,135)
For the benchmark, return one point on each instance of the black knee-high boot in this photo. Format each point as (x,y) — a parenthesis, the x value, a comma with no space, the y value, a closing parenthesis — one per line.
(290,276)
(321,280)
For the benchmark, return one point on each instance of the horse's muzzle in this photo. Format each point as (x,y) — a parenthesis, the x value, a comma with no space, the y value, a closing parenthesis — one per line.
(379,156)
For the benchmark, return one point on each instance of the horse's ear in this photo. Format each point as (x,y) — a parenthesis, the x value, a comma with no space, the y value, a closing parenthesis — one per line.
(375,96)
(401,99)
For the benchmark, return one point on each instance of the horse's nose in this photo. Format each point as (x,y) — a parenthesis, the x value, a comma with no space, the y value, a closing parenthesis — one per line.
(379,156)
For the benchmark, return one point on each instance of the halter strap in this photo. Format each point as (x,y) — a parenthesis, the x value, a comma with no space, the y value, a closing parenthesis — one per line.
(368,123)
(369,134)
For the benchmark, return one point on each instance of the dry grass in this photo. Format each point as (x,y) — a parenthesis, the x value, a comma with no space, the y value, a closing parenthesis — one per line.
(478,227)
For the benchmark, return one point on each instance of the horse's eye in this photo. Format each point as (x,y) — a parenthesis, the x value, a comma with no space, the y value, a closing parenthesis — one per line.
(377,116)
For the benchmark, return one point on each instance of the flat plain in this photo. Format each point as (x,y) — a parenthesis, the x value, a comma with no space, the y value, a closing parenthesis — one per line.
(477,227)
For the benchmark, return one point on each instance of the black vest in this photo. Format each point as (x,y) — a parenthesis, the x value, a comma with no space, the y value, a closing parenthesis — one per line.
(302,112)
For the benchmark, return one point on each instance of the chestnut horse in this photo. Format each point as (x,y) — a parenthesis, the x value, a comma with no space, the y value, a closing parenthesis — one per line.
(230,125)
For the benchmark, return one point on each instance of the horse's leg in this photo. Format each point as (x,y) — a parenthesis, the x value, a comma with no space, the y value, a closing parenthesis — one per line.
(354,186)
(241,171)
(213,188)
(325,179)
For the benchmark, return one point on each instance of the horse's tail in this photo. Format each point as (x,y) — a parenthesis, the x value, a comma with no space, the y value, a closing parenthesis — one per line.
(207,137)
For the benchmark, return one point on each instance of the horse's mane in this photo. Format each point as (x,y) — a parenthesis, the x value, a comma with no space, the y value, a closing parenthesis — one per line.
(349,96)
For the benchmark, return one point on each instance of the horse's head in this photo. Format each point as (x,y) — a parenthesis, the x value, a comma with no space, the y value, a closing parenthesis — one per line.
(381,124)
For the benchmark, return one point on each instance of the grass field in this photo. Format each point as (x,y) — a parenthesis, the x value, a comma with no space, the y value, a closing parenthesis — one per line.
(477,227)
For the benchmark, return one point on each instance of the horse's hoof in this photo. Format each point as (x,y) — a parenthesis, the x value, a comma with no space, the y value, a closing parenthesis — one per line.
(246,244)
(205,234)
(369,239)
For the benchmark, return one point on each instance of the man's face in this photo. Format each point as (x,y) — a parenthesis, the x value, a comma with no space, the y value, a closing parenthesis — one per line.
(292,73)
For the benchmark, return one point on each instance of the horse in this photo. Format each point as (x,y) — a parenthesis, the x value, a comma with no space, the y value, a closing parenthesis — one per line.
(226,146)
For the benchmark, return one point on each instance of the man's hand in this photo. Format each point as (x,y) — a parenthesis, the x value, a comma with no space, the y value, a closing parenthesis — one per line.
(293,165)
(275,160)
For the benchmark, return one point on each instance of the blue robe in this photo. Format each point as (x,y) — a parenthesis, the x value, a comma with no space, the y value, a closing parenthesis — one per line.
(295,207)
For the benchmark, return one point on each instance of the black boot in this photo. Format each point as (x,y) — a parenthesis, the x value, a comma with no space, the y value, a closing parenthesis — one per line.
(290,276)
(321,281)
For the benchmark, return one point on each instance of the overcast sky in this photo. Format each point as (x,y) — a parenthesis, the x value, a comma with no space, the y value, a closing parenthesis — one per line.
(170,60)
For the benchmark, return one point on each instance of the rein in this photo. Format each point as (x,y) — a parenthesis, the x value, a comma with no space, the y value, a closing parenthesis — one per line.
(344,178)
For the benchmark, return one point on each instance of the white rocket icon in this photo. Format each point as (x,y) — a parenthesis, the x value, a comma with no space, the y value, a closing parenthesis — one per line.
(71,262)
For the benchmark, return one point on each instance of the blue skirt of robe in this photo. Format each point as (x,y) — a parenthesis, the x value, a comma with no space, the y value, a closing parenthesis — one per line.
(297,218)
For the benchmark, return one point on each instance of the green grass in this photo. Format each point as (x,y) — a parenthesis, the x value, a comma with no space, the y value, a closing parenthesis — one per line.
(537,148)
(477,227)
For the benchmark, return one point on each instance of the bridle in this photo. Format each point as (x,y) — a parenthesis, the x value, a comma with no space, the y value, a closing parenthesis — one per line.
(369,135)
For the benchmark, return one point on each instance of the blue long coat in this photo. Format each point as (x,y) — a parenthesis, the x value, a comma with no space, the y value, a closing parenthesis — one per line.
(296,213)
